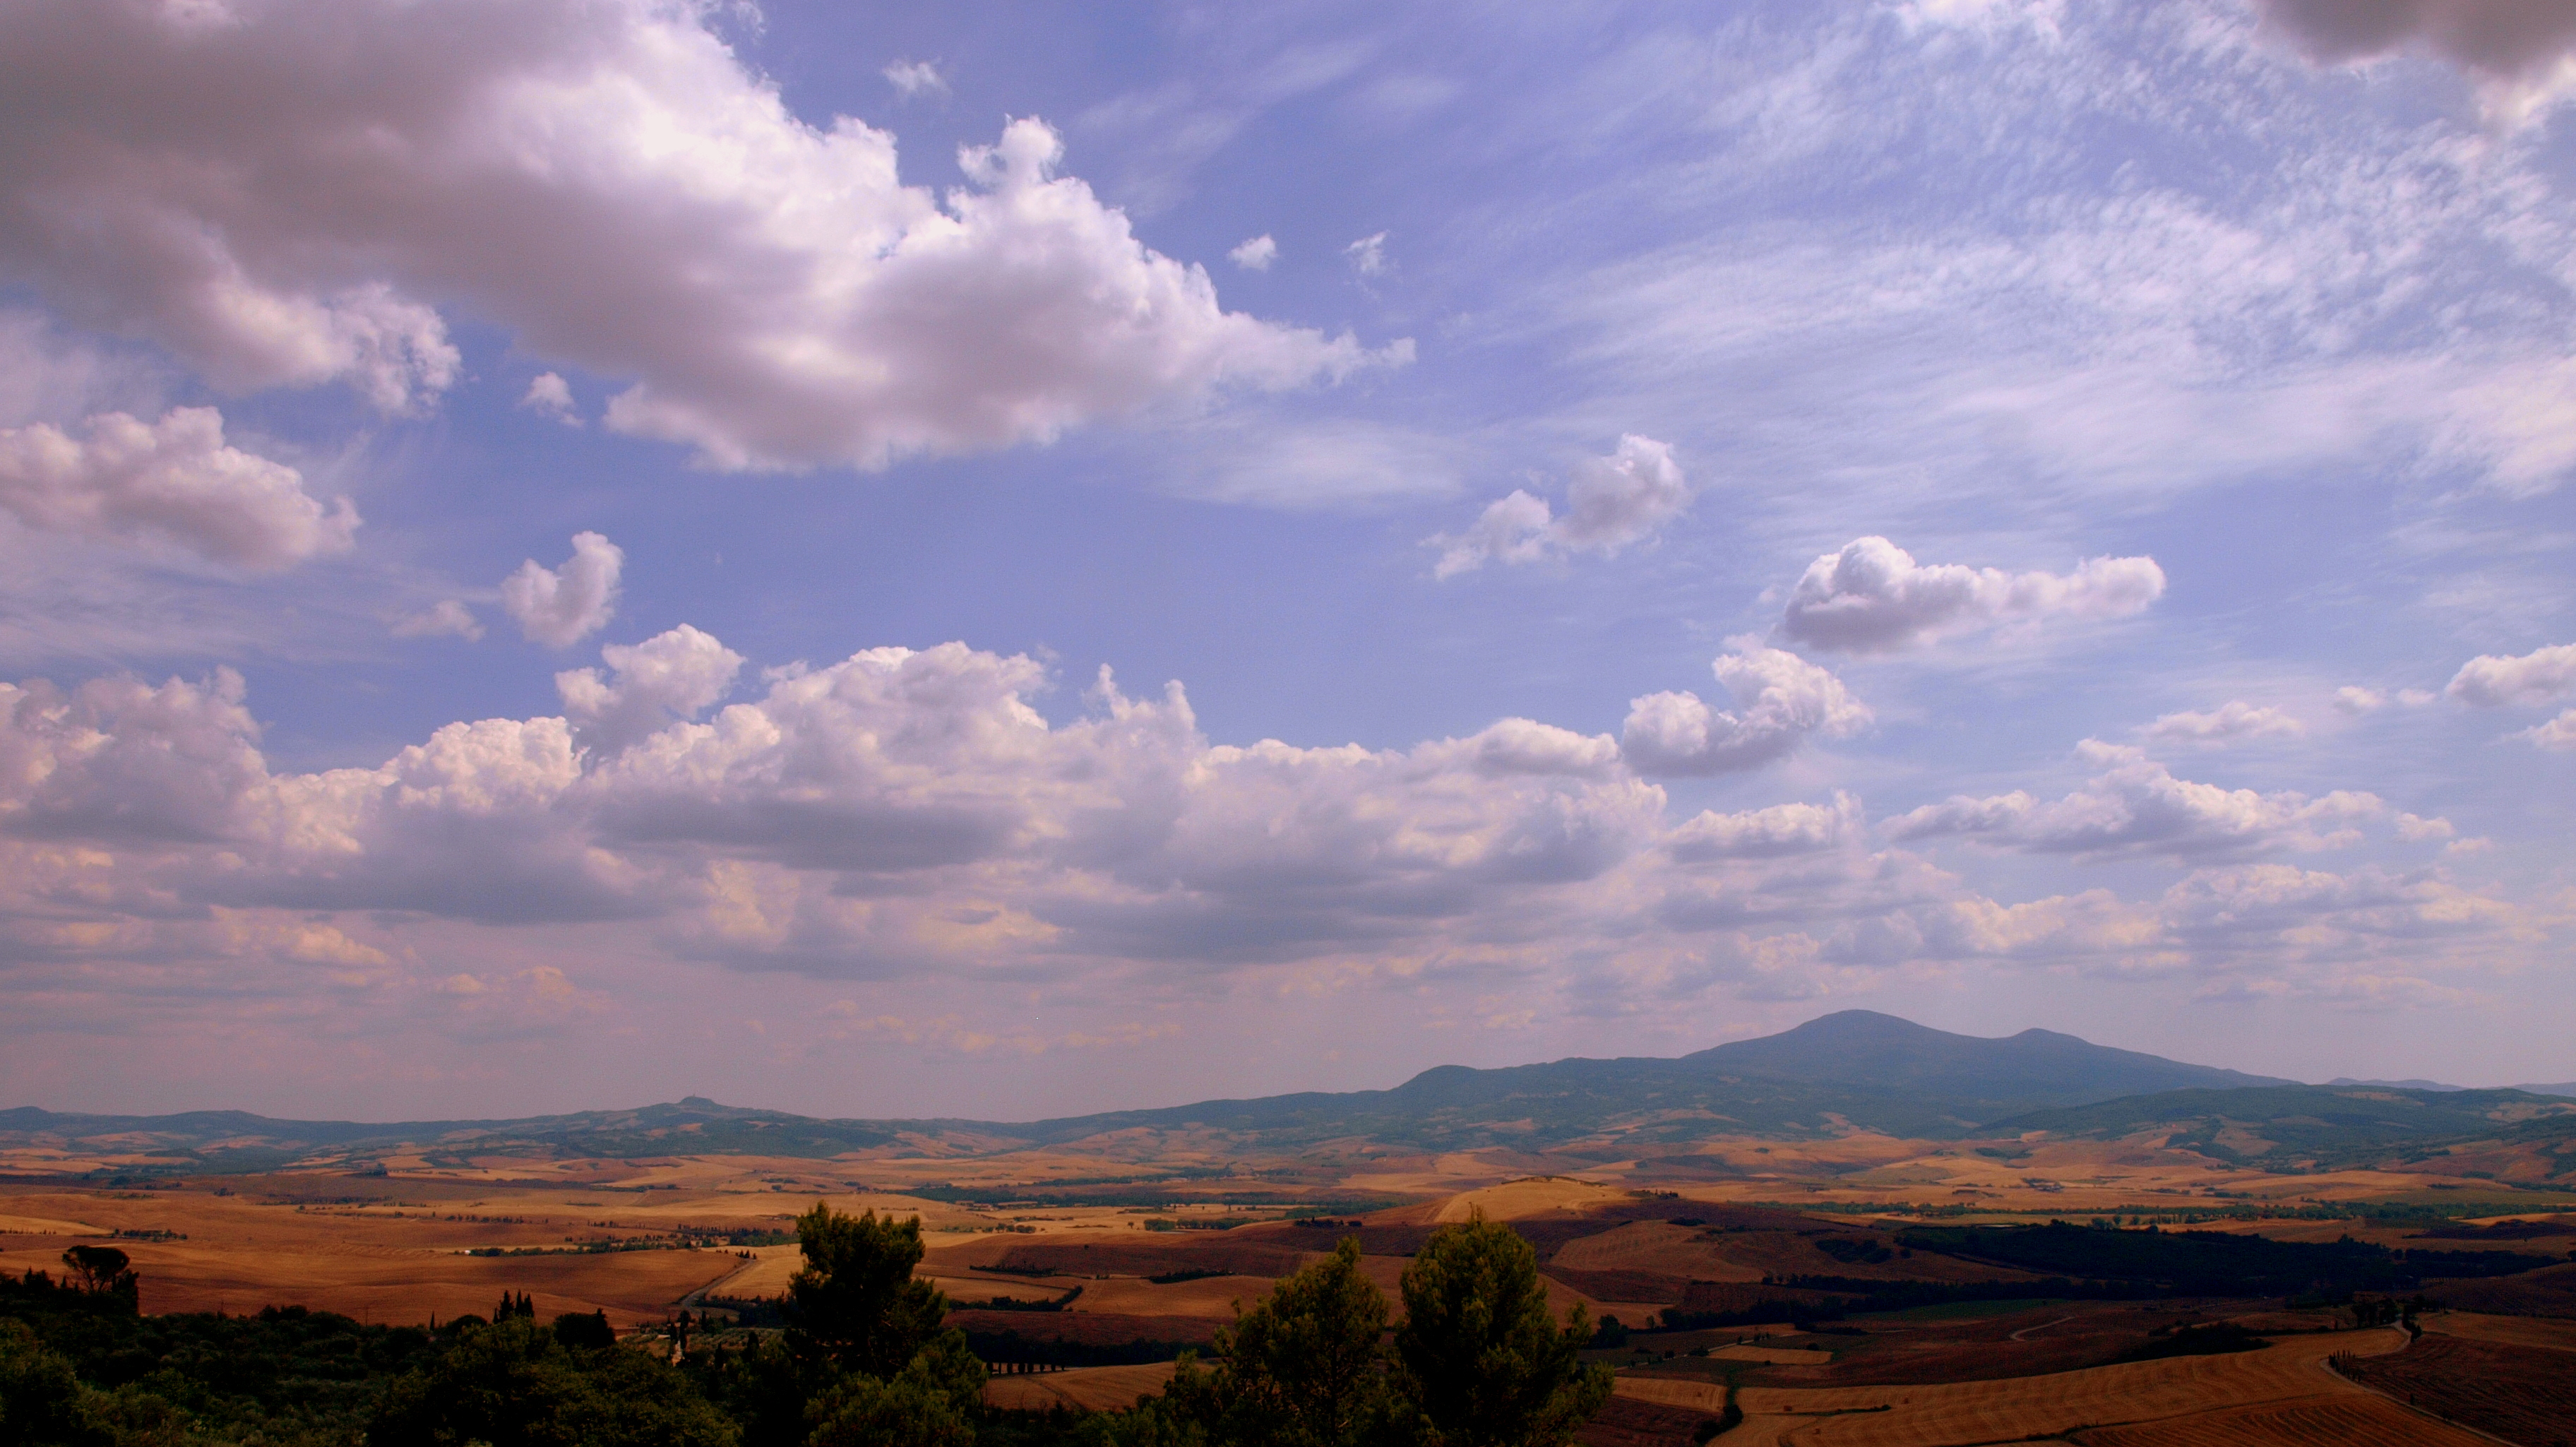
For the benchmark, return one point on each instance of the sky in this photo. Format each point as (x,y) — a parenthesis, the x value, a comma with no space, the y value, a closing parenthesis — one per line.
(1005,560)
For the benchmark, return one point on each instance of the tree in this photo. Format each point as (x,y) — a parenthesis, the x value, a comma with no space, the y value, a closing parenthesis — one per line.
(40,1399)
(856,1301)
(1306,1368)
(585,1330)
(511,1384)
(1481,1357)
(100,1268)
(930,1403)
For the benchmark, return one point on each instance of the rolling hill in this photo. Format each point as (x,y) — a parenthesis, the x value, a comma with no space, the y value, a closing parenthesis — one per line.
(2319,1126)
(1854,1069)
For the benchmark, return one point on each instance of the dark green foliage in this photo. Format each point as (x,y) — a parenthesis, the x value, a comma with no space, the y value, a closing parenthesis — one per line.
(511,1384)
(286,1374)
(585,1331)
(98,1268)
(40,1397)
(856,1300)
(2218,1338)
(932,1402)
(1011,1347)
(763,1387)
(1304,1368)
(1855,1250)
(1481,1358)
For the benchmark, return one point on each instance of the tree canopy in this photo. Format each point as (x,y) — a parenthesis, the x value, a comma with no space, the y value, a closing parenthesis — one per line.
(1480,1355)
(856,1300)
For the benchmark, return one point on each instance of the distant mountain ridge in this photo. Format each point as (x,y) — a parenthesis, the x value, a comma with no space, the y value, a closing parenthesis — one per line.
(1856,1069)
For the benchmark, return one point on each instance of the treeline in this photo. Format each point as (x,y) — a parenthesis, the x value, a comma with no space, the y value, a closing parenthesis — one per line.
(862,1360)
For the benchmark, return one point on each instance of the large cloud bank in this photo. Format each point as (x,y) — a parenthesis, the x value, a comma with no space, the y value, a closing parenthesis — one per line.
(282,192)
(2137,806)
(910,813)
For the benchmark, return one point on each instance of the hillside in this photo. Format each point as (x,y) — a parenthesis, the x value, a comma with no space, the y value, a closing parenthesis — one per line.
(1854,1069)
(2316,1126)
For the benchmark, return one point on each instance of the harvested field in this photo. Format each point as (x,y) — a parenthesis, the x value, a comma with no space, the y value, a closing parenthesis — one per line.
(1128,1256)
(1657,1247)
(2520,1331)
(2030,1408)
(1210,1296)
(2550,1291)
(1090,1389)
(391,1283)
(1705,1397)
(1635,1422)
(2028,1342)
(2334,1422)
(1637,1286)
(1775,1356)
(1545,1195)
(2523,1394)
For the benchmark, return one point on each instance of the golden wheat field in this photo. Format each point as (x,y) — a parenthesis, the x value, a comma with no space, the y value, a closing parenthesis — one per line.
(2519,1331)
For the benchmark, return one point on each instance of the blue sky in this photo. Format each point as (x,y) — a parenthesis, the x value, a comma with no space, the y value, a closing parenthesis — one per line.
(563,553)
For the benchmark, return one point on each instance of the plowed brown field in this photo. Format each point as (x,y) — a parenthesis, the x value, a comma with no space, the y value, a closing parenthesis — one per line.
(2329,1422)
(2031,1408)
(2522,1394)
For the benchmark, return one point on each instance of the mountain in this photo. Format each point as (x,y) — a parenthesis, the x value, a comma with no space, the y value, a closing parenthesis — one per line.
(2564,1087)
(1853,1069)
(2343,1081)
(2308,1126)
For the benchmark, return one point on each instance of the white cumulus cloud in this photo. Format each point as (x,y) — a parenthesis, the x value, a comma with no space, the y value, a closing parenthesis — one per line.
(550,395)
(1872,597)
(275,189)
(675,675)
(559,607)
(1781,700)
(1782,829)
(2230,722)
(173,480)
(2495,680)
(2558,734)
(1256,254)
(1612,502)
(2136,806)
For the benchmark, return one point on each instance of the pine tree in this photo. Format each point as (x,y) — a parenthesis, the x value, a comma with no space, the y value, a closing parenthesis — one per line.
(1480,1355)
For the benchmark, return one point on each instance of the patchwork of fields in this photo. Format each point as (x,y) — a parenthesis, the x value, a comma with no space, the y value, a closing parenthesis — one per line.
(1822,1324)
